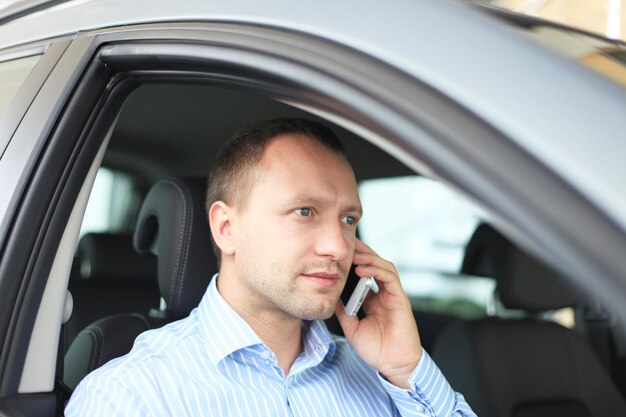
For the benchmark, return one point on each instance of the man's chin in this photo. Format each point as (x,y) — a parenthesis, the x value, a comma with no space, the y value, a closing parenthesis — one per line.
(321,313)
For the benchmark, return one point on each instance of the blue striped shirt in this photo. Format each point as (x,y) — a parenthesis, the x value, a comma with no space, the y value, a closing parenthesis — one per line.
(212,364)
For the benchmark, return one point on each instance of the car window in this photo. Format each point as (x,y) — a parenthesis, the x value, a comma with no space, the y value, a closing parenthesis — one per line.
(113,203)
(12,74)
(422,227)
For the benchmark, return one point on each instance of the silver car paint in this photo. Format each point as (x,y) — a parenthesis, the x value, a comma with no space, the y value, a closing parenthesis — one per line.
(565,115)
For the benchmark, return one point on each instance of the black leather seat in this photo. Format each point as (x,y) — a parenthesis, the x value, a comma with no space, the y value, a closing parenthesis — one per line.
(524,367)
(172,225)
(111,278)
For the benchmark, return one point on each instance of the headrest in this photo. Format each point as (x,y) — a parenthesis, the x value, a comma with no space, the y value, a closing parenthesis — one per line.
(173,225)
(111,256)
(522,282)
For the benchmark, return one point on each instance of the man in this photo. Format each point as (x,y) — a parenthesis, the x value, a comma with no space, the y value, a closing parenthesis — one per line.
(283,206)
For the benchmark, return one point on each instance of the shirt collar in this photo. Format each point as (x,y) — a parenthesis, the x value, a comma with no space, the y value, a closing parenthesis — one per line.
(317,343)
(226,332)
(316,335)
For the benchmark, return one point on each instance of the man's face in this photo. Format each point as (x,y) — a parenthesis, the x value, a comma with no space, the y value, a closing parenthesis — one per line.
(296,234)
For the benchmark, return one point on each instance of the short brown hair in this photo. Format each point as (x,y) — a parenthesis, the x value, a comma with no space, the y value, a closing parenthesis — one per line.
(234,171)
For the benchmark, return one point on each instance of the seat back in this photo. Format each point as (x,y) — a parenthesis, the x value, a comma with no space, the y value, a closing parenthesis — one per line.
(101,341)
(111,278)
(172,225)
(523,367)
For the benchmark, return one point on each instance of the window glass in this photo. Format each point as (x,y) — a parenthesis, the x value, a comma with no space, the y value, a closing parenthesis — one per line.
(13,73)
(422,227)
(113,203)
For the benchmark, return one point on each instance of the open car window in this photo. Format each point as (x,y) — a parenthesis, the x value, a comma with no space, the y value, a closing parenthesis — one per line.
(422,227)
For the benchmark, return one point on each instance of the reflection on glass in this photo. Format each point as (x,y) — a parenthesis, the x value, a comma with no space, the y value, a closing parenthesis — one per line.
(12,75)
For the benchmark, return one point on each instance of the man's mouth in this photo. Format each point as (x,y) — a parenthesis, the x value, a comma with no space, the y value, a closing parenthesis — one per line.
(323,279)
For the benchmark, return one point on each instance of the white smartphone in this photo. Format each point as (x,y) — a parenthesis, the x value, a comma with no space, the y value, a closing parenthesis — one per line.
(363,287)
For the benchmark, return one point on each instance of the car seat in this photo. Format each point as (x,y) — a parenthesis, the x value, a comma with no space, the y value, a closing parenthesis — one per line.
(111,278)
(523,367)
(173,226)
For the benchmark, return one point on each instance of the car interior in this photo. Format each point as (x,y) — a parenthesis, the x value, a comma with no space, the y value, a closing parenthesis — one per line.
(507,331)
(556,370)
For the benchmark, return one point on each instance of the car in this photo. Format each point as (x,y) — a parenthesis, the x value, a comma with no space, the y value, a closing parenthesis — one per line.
(456,117)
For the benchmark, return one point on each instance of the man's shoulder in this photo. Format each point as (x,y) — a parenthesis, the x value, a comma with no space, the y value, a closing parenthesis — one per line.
(135,378)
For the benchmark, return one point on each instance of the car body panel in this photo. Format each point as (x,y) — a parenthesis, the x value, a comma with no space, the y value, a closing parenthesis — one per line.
(487,72)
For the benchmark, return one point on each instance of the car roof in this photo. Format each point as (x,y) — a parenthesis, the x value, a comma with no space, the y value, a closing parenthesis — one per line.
(565,115)
(329,19)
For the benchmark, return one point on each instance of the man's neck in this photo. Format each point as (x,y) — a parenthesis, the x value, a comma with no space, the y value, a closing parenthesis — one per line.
(281,333)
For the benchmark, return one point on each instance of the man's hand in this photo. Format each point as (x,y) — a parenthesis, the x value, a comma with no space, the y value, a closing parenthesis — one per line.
(387,339)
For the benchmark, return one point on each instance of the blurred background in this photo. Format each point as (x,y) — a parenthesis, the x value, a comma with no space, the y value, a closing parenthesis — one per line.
(604,17)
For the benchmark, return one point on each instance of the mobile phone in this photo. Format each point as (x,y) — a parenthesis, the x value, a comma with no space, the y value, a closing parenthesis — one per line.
(361,290)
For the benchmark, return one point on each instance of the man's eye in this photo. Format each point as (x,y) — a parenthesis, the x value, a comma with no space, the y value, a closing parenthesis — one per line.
(304,212)
(350,220)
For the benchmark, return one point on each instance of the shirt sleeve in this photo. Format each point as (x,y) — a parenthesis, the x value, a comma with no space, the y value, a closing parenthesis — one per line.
(431,395)
(104,398)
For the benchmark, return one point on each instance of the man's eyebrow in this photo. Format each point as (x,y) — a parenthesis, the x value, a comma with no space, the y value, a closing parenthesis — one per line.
(310,200)
(354,209)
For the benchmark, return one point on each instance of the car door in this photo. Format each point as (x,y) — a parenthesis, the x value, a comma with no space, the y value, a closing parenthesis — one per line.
(452,123)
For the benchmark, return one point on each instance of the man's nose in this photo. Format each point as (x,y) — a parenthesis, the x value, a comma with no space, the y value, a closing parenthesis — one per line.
(334,241)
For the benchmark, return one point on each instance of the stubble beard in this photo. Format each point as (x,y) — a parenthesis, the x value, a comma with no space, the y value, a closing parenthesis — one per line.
(275,292)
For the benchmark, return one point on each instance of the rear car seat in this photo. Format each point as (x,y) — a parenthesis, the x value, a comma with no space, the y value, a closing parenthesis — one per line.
(523,367)
(111,278)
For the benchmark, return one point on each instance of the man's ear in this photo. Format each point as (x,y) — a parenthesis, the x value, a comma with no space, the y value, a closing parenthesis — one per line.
(220,220)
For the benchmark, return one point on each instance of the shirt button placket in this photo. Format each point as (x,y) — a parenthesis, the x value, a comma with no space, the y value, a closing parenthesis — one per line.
(287,387)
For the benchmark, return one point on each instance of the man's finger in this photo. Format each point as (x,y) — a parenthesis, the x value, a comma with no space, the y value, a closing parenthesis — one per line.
(385,279)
